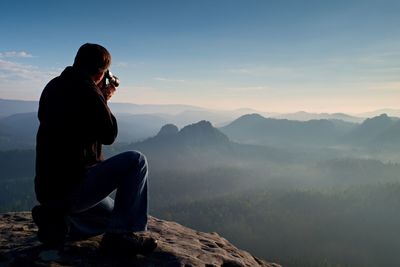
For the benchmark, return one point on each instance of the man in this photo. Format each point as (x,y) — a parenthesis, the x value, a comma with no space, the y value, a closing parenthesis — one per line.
(73,182)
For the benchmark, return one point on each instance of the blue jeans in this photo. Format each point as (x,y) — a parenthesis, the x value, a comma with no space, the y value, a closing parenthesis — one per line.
(92,211)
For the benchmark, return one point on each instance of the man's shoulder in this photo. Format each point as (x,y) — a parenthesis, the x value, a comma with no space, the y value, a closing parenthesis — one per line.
(63,79)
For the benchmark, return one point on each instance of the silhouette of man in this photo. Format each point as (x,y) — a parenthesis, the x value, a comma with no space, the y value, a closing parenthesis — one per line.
(73,183)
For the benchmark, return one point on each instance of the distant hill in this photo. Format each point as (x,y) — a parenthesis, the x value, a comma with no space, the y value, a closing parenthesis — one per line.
(390,137)
(216,117)
(381,132)
(136,127)
(202,133)
(10,107)
(306,116)
(18,131)
(150,109)
(370,129)
(201,143)
(256,129)
(18,125)
(198,135)
(390,112)
(180,115)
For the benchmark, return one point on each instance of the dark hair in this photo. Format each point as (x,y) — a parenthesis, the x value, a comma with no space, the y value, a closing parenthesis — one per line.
(92,58)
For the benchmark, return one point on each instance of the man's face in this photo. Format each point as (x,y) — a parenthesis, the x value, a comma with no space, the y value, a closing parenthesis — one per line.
(97,78)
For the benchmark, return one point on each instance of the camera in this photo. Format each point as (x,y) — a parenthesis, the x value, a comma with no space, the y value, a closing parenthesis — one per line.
(111,79)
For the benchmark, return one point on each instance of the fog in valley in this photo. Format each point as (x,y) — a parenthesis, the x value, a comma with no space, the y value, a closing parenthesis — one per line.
(299,189)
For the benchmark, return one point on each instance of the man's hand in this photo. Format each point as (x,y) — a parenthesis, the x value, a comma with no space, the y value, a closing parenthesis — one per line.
(108,91)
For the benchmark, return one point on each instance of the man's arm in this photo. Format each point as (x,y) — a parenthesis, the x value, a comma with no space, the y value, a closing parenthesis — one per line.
(104,125)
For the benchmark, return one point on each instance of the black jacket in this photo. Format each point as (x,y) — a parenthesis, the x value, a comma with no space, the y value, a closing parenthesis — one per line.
(74,122)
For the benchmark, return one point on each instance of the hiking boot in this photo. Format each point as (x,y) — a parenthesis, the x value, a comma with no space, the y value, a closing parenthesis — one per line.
(128,244)
(52,227)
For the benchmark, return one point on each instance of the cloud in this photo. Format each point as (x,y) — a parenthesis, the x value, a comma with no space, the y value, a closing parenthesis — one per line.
(249,89)
(373,62)
(168,80)
(262,71)
(22,81)
(14,54)
(393,86)
(17,72)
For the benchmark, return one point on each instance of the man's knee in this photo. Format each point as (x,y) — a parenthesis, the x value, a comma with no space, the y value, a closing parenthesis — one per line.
(136,158)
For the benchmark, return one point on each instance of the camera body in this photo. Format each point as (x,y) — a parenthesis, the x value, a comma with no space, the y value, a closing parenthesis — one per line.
(109,78)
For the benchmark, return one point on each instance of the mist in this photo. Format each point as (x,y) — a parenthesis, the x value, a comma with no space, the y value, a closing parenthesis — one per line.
(318,192)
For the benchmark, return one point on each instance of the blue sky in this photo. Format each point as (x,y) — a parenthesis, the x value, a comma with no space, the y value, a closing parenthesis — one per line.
(270,55)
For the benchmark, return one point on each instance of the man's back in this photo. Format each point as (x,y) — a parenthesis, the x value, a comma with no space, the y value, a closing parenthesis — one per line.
(74,122)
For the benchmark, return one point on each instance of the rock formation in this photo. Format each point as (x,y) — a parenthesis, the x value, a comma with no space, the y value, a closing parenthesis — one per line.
(168,129)
(178,246)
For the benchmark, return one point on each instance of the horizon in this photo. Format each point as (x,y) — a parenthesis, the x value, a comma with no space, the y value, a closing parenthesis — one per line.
(284,57)
(264,113)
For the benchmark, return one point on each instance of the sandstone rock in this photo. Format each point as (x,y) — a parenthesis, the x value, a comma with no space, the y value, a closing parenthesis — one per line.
(178,246)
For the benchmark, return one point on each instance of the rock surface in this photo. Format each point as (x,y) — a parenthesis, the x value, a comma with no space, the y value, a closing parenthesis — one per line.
(178,246)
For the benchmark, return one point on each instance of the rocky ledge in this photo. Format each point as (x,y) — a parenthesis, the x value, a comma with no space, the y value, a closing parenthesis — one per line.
(178,246)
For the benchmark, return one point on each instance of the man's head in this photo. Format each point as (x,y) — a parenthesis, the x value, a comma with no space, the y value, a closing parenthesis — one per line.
(92,59)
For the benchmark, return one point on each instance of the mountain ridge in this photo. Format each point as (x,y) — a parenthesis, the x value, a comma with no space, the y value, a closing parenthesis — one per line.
(11,106)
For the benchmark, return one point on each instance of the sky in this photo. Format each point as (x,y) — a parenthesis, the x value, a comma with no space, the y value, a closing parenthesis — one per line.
(268,55)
